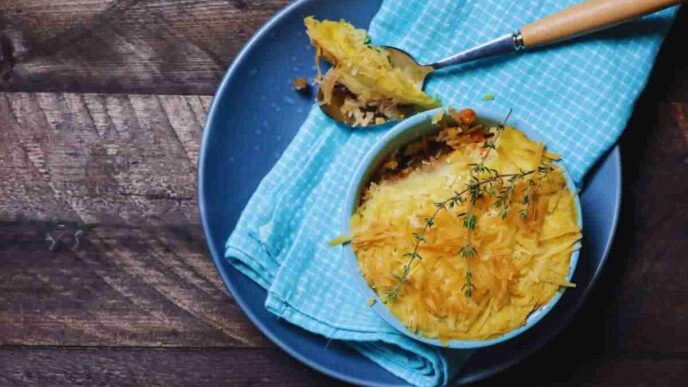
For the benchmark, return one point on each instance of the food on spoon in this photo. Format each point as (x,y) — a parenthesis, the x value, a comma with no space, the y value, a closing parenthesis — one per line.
(466,232)
(374,88)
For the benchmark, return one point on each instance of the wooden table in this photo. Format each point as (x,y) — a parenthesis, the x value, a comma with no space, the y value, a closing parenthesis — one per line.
(104,273)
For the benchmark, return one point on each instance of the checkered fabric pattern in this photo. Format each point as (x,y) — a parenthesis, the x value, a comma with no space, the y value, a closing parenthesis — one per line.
(577,95)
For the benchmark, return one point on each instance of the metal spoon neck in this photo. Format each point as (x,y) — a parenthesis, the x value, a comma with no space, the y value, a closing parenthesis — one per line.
(502,45)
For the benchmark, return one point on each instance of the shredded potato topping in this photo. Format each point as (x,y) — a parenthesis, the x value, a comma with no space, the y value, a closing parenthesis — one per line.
(520,262)
(363,69)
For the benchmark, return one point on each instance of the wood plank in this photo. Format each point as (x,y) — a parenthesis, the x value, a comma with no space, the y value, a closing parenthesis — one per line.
(118,172)
(206,367)
(114,286)
(606,371)
(146,367)
(154,46)
(98,158)
(124,46)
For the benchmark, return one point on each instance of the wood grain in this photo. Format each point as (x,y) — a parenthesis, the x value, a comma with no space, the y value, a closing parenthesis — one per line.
(124,46)
(241,367)
(159,367)
(607,371)
(104,274)
(93,158)
(119,286)
(117,171)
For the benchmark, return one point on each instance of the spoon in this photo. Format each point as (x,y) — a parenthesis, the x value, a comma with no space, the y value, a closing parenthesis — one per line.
(580,19)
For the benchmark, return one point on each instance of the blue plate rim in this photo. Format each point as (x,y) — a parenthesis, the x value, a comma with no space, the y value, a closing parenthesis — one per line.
(217,258)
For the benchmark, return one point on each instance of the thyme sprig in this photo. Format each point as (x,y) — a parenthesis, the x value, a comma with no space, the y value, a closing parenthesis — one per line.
(469,221)
(414,255)
(529,191)
(501,186)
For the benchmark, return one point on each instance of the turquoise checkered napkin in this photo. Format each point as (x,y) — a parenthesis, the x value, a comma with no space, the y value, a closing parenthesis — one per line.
(577,95)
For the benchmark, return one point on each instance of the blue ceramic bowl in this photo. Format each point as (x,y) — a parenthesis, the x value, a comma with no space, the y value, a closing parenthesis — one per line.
(403,133)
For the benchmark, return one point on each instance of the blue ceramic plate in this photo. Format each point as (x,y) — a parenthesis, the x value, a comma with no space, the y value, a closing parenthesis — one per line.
(401,134)
(255,114)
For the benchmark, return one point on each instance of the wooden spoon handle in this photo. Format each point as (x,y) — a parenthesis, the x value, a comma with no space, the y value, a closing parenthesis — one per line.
(586,17)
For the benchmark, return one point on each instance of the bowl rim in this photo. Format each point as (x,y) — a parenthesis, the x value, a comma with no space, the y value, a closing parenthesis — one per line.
(383,145)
